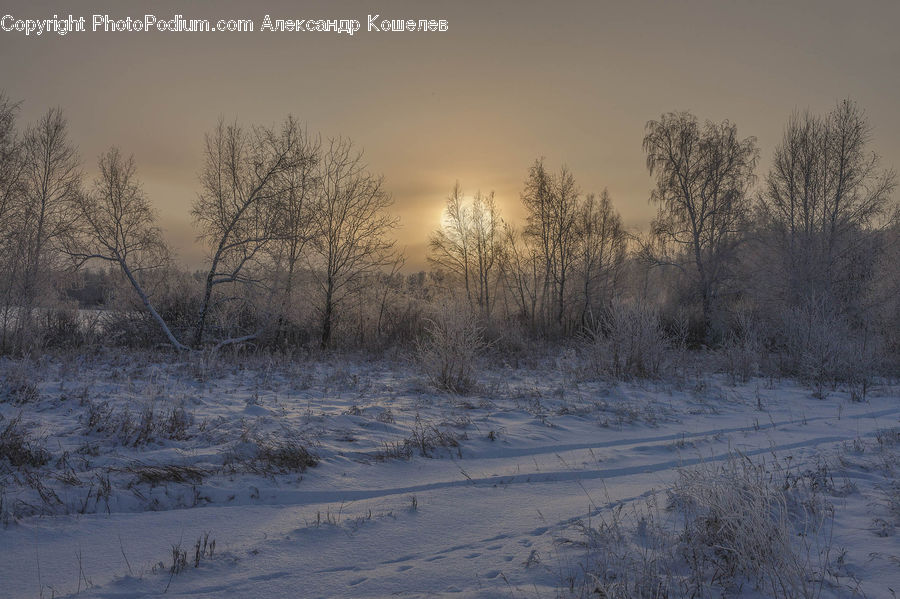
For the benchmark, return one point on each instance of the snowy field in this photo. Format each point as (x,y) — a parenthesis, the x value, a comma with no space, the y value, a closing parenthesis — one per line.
(352,478)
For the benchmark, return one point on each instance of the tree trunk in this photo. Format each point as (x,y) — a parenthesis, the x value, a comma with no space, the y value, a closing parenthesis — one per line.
(327,316)
(201,319)
(149,306)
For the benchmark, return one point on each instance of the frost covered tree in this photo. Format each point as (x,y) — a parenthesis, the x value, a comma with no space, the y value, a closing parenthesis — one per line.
(352,225)
(552,203)
(11,164)
(600,254)
(824,197)
(52,180)
(468,246)
(115,224)
(11,191)
(294,226)
(522,267)
(238,210)
(703,177)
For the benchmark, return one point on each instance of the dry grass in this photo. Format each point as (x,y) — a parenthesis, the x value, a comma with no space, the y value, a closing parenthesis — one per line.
(727,527)
(153,474)
(19,384)
(424,440)
(150,424)
(269,454)
(17,446)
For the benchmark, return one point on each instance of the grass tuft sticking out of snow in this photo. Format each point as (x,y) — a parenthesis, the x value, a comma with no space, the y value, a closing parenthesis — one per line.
(18,447)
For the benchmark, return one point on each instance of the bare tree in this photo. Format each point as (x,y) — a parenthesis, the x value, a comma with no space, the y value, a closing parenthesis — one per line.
(552,205)
(468,245)
(294,221)
(352,225)
(52,180)
(824,195)
(601,252)
(486,223)
(703,175)
(565,211)
(117,225)
(11,163)
(537,198)
(449,246)
(522,268)
(11,191)
(237,210)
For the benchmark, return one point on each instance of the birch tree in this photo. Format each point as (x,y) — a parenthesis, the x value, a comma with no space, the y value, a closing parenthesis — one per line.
(52,180)
(11,191)
(601,252)
(552,204)
(115,224)
(703,178)
(468,246)
(823,196)
(352,227)
(237,210)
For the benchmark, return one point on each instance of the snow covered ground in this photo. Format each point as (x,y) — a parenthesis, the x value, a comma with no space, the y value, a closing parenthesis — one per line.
(500,493)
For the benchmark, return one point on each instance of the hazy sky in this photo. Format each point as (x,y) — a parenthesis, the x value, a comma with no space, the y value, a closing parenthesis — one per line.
(573,81)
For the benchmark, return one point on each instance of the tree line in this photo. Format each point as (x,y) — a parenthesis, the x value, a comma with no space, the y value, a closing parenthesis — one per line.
(300,247)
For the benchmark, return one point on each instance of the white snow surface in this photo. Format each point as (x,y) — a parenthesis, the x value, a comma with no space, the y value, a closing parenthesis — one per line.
(540,449)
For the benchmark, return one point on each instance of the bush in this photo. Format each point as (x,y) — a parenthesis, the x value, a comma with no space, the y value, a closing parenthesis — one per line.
(269,454)
(822,347)
(729,526)
(739,525)
(742,349)
(629,342)
(448,353)
(63,328)
(149,425)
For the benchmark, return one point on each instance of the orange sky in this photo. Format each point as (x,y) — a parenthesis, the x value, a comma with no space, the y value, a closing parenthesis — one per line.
(510,81)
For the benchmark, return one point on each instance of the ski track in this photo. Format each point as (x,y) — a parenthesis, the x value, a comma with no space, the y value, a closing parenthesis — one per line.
(296,497)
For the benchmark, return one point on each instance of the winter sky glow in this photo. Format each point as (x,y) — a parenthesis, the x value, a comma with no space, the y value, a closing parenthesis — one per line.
(510,81)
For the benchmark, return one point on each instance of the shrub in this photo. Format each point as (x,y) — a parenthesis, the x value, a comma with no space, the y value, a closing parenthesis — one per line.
(629,342)
(742,349)
(730,526)
(63,328)
(150,425)
(448,353)
(739,525)
(822,347)
(285,455)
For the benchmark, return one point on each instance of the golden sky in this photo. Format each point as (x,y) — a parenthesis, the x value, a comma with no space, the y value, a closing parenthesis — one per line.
(509,81)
